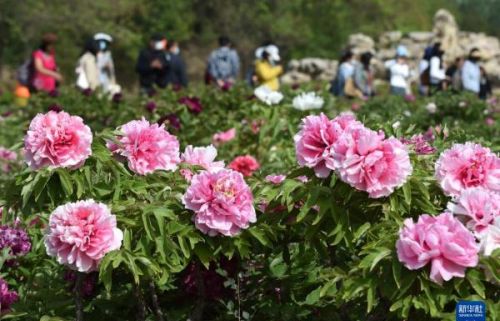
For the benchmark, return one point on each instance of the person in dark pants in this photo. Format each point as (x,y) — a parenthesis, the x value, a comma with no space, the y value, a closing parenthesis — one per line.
(176,75)
(152,65)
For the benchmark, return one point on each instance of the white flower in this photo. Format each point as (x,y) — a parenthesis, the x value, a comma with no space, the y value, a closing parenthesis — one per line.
(267,95)
(462,104)
(407,113)
(431,108)
(396,125)
(490,238)
(307,101)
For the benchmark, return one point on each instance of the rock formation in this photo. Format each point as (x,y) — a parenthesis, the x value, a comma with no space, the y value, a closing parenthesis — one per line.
(445,29)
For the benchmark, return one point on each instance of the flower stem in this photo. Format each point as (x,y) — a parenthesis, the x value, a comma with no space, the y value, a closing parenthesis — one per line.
(77,294)
(156,305)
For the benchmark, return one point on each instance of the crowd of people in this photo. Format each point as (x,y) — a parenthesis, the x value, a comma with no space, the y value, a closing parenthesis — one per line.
(355,76)
(160,65)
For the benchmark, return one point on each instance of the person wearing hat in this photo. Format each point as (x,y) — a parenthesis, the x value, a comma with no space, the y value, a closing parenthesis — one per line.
(177,75)
(105,64)
(471,73)
(267,69)
(46,76)
(152,65)
(400,73)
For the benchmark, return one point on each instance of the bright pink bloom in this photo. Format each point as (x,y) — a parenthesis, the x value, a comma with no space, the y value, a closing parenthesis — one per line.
(467,165)
(148,147)
(222,202)
(370,163)
(315,139)
(440,240)
(246,165)
(202,156)
(275,179)
(223,137)
(187,174)
(479,205)
(57,140)
(80,234)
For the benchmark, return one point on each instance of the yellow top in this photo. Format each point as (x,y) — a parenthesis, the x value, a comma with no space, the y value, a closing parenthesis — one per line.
(268,74)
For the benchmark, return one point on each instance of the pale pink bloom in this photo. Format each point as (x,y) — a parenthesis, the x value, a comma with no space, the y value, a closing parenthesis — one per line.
(370,163)
(467,165)
(80,234)
(187,174)
(443,241)
(315,139)
(223,137)
(147,147)
(57,140)
(480,207)
(201,156)
(275,179)
(490,239)
(246,165)
(6,154)
(222,202)
(303,179)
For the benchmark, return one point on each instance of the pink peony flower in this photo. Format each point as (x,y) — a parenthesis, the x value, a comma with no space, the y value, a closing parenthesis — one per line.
(440,240)
(490,239)
(148,147)
(479,205)
(315,139)
(370,163)
(187,174)
(7,297)
(223,137)
(7,155)
(467,165)
(57,140)
(489,121)
(275,179)
(222,202)
(192,103)
(246,165)
(202,156)
(80,234)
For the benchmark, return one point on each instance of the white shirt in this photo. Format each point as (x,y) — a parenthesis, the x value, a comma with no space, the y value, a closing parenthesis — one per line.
(471,76)
(399,74)
(346,69)
(422,65)
(437,74)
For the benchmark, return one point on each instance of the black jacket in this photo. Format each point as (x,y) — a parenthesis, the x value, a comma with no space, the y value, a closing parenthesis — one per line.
(148,75)
(176,74)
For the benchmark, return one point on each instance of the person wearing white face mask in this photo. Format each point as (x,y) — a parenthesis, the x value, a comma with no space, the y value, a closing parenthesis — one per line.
(267,68)
(176,75)
(107,78)
(152,65)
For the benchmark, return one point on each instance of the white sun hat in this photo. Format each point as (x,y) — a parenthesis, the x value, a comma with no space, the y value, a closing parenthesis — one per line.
(103,36)
(273,52)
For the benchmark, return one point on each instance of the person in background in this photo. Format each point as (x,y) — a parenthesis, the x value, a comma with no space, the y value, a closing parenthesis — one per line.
(363,75)
(267,69)
(176,75)
(87,70)
(45,76)
(345,71)
(484,85)
(471,73)
(454,74)
(223,64)
(423,72)
(152,65)
(437,71)
(400,73)
(251,77)
(107,78)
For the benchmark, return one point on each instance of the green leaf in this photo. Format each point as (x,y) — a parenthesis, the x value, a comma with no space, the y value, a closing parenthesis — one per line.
(475,281)
(407,192)
(313,297)
(260,236)
(66,181)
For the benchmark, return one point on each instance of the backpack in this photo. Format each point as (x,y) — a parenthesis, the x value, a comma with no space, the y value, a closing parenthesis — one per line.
(24,73)
(425,77)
